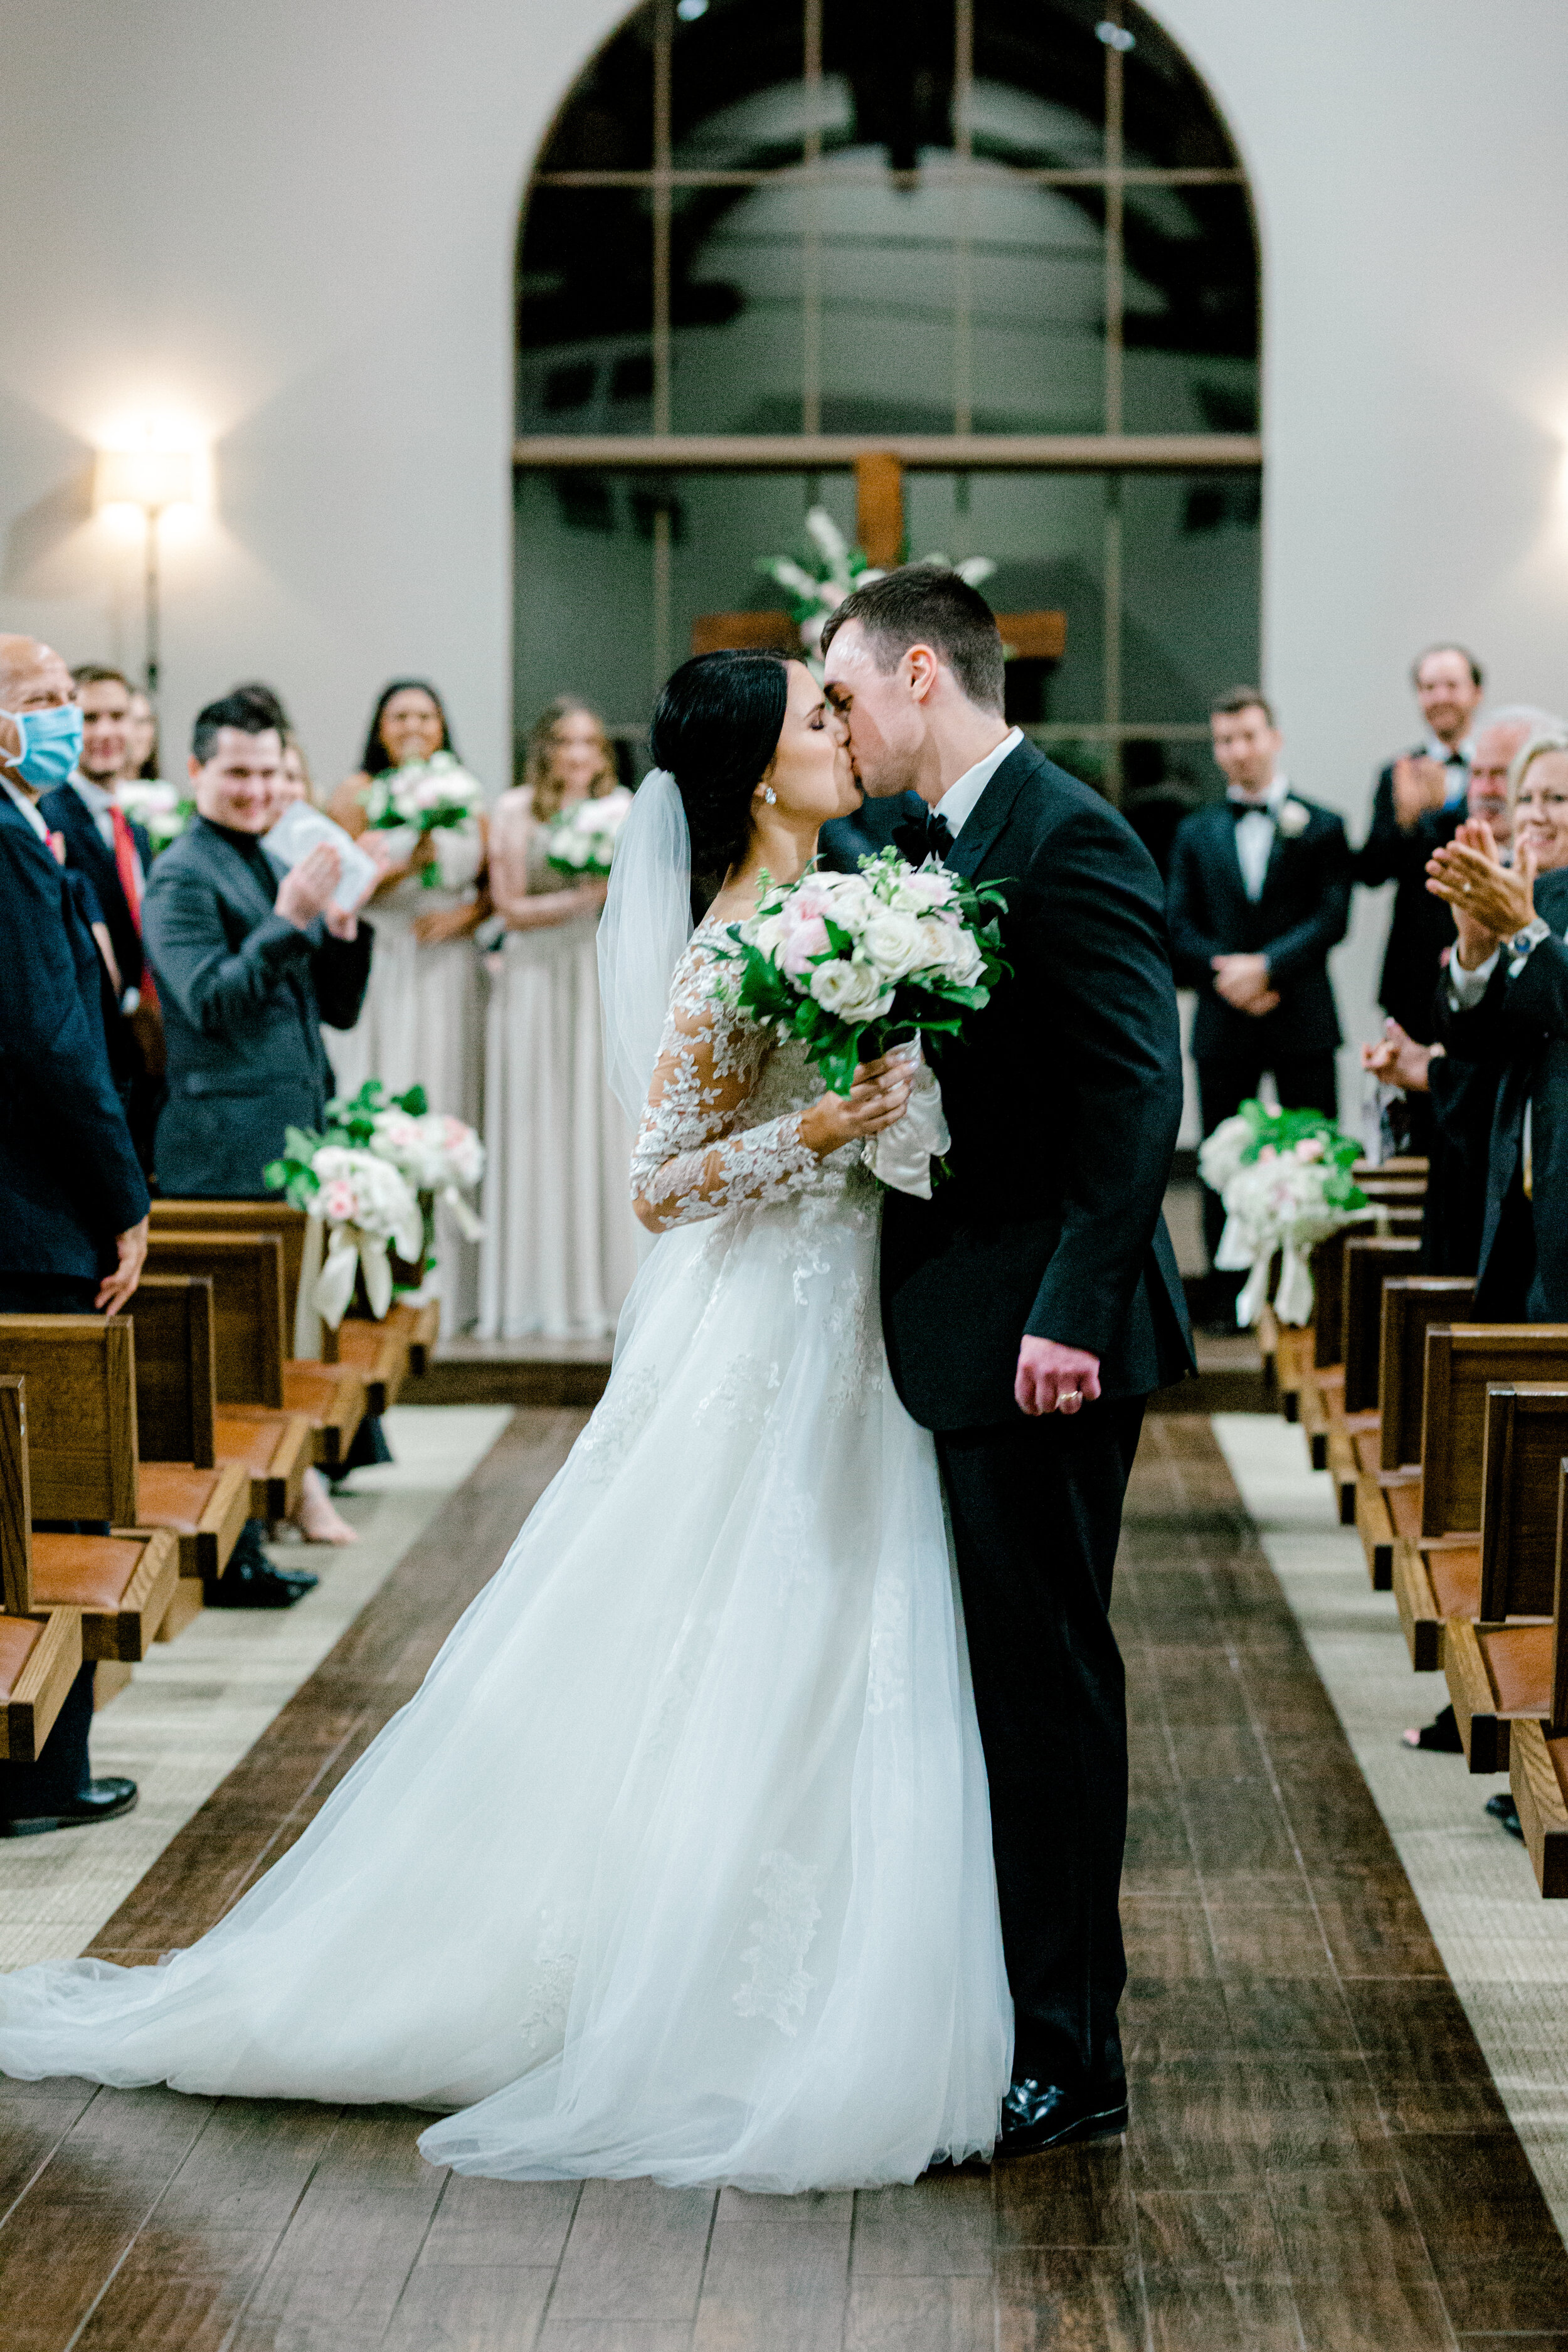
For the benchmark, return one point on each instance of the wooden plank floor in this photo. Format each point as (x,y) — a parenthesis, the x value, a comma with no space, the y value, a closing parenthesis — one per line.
(1318,2158)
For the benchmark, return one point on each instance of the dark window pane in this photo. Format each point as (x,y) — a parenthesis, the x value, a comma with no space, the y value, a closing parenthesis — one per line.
(1190,330)
(585,312)
(1035,260)
(1039,84)
(892,74)
(736,281)
(1168,117)
(738,98)
(888,288)
(732,521)
(606,124)
(1190,571)
(1163,778)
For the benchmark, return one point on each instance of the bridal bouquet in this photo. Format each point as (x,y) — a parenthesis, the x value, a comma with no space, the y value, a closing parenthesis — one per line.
(582,838)
(1285,1179)
(161,808)
(434,797)
(858,965)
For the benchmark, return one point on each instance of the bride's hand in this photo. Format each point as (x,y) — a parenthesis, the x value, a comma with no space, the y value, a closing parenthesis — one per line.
(878,1099)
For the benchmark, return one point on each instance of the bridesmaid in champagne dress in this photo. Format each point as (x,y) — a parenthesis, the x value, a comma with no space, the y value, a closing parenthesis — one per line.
(560,1248)
(422,1019)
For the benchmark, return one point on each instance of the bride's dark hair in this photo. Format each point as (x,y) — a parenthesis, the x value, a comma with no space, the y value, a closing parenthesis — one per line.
(716,730)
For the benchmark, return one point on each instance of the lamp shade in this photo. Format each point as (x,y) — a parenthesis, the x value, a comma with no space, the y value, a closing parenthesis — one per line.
(152,478)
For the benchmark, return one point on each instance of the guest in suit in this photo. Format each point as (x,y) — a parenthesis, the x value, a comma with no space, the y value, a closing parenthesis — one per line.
(73,1200)
(249,960)
(844,841)
(1418,804)
(1504,1007)
(1259,893)
(114,855)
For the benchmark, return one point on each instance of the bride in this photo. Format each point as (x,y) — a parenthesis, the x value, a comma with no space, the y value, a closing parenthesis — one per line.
(679,1863)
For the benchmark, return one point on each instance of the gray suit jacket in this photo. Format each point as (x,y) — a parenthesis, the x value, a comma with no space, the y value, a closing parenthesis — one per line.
(243,995)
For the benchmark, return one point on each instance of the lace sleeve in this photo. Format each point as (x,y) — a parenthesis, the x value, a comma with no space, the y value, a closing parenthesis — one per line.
(693,1157)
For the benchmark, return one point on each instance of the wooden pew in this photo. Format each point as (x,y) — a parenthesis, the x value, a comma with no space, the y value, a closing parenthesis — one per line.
(1538,1742)
(333,1396)
(1437,1518)
(1322,1387)
(1496,1668)
(39,1656)
(78,1386)
(251,1426)
(1390,1456)
(79,1439)
(184,1484)
(1370,1260)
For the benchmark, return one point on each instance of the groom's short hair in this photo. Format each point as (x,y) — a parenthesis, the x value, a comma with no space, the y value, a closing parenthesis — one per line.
(927,604)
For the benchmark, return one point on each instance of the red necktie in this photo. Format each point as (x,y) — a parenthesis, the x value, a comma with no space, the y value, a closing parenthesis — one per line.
(125,866)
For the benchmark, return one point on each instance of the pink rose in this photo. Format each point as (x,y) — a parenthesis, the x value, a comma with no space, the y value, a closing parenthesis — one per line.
(1309,1148)
(807,940)
(338,1201)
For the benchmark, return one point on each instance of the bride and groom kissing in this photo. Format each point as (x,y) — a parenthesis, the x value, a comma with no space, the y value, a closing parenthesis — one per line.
(808,1875)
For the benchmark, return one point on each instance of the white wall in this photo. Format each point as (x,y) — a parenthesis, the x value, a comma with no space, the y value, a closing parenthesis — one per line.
(294,222)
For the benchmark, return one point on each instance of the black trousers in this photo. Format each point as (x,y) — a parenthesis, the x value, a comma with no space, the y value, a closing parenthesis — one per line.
(1304,1081)
(61,1771)
(1037,1515)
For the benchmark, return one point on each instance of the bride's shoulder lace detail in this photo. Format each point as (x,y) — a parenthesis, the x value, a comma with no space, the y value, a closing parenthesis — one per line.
(695,1156)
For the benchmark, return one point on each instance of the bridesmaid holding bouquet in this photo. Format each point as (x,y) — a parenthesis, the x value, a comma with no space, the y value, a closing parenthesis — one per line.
(560,1249)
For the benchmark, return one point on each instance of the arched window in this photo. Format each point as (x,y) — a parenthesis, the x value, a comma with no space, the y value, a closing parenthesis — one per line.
(1005,243)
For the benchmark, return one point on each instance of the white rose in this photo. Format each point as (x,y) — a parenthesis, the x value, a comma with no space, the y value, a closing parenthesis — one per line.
(920,893)
(948,951)
(850,902)
(770,934)
(1293,820)
(892,942)
(851,991)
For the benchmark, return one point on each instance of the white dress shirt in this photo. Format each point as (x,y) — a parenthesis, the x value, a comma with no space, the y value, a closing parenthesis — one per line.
(1447,756)
(100,804)
(1255,832)
(957,804)
(28,807)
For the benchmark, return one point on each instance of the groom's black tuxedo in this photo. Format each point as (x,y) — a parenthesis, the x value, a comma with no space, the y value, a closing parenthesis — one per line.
(1063,1101)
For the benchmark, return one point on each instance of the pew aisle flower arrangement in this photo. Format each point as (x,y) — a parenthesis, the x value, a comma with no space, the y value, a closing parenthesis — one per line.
(581,840)
(434,800)
(1285,1180)
(852,966)
(372,1180)
(161,808)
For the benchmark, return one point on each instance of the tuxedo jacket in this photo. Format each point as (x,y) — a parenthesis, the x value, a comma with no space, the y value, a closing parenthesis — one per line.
(1302,913)
(1420,927)
(68,1176)
(1519,1031)
(1063,1098)
(68,814)
(243,995)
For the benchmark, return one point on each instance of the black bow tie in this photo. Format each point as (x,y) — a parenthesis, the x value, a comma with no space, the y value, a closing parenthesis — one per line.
(1239,808)
(927,835)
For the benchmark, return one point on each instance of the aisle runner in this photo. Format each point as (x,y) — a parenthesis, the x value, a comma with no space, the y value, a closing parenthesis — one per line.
(198,1703)
(1505,1949)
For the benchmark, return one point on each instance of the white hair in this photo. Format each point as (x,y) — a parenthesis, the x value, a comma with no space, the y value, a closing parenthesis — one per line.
(1517,714)
(1546,739)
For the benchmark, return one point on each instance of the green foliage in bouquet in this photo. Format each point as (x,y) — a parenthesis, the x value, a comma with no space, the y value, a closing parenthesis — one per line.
(351,1122)
(924,1004)
(1284,1130)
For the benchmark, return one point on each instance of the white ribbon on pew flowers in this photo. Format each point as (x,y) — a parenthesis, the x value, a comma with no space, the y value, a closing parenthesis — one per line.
(1285,1180)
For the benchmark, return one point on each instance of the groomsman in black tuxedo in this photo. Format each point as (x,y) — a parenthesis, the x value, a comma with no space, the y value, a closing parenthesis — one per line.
(1033,1302)
(1259,893)
(113,854)
(1417,805)
(73,1202)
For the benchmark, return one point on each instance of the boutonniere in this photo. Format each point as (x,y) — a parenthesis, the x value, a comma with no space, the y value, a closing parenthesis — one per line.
(1293,820)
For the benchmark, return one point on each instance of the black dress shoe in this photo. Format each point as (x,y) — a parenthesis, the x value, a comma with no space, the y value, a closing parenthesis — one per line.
(1039,2115)
(101,1800)
(1503,1809)
(252,1584)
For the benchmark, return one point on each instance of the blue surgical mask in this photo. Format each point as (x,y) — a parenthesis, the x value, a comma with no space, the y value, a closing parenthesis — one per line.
(51,745)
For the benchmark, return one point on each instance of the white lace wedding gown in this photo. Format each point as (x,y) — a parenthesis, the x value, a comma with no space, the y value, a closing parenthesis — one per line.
(679,1863)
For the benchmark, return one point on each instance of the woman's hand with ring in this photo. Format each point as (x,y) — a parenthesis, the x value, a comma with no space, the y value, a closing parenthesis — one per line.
(878,1098)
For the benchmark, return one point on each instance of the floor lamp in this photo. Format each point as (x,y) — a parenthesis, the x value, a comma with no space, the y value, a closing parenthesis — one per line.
(151,479)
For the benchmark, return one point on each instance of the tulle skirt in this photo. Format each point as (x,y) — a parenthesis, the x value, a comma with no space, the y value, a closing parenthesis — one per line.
(679,1863)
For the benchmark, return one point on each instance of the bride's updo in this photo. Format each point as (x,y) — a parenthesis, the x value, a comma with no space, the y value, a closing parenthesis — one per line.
(716,730)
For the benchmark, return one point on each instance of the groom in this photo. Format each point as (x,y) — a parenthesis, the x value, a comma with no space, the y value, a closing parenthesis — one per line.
(1033,1302)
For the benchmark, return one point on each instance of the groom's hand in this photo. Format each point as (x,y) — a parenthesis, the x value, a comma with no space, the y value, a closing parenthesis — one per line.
(1053,1378)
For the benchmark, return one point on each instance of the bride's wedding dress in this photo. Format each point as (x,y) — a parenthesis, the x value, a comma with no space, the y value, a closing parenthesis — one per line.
(679,1863)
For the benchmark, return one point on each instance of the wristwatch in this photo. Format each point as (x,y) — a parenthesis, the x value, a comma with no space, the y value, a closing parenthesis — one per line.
(1530,937)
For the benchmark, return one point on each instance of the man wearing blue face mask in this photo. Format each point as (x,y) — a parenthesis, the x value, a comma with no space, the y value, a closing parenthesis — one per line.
(73,1201)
